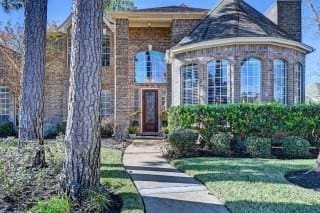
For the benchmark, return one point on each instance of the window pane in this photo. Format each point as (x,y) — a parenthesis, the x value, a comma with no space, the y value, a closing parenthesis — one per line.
(190,88)
(218,82)
(150,67)
(105,51)
(106,103)
(250,80)
(299,83)
(280,81)
(4,104)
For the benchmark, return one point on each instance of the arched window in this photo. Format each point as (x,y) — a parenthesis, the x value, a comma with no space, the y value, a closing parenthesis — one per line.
(250,80)
(150,67)
(280,70)
(190,84)
(218,82)
(299,83)
(4,103)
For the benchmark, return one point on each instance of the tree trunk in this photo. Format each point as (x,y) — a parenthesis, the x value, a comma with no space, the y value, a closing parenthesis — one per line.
(82,141)
(33,76)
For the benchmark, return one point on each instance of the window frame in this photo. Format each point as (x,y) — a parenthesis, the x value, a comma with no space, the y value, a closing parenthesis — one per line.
(194,100)
(283,76)
(106,51)
(228,95)
(299,96)
(258,80)
(5,103)
(106,104)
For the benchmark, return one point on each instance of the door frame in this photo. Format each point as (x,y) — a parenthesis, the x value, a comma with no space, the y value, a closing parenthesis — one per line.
(143,90)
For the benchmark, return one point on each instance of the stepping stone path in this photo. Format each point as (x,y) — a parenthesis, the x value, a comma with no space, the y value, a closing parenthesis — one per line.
(165,189)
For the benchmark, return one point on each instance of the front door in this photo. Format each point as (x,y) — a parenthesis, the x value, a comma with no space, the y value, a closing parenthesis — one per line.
(150,111)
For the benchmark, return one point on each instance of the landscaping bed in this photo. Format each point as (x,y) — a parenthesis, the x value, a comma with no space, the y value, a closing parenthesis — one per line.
(254,185)
(24,188)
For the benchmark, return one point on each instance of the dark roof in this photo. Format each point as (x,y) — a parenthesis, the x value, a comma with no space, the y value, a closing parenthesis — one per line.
(172,9)
(233,18)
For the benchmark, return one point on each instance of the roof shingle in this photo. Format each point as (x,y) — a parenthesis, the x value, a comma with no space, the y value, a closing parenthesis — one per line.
(172,9)
(233,18)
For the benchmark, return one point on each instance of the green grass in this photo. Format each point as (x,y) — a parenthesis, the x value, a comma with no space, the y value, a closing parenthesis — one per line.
(53,205)
(254,185)
(114,176)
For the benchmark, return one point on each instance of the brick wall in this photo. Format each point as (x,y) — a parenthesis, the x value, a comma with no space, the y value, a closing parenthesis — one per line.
(235,54)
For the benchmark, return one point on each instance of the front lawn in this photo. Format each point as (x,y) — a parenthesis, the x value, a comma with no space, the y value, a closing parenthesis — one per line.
(253,185)
(115,176)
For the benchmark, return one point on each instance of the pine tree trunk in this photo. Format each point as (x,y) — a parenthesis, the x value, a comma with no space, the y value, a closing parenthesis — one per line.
(82,141)
(33,76)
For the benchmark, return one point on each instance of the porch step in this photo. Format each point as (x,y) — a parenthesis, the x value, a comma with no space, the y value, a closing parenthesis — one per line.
(142,137)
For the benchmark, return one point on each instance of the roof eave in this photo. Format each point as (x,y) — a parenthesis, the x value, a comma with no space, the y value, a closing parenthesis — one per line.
(172,15)
(243,40)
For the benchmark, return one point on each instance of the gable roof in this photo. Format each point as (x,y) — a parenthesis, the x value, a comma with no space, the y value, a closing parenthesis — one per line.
(233,18)
(172,9)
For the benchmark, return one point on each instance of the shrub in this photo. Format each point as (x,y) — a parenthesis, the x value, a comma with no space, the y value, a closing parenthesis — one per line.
(50,131)
(98,200)
(133,130)
(220,144)
(243,120)
(7,129)
(53,205)
(61,128)
(258,147)
(296,147)
(182,140)
(106,130)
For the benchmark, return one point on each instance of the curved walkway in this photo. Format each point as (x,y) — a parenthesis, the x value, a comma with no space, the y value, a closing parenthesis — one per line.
(165,189)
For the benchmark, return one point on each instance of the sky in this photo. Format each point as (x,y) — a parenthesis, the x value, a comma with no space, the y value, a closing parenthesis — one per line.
(58,10)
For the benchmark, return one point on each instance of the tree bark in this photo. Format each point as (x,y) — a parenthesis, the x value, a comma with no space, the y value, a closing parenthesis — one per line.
(33,76)
(82,140)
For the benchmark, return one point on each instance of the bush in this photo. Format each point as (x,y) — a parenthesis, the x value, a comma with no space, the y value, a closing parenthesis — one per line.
(7,129)
(50,131)
(98,200)
(61,128)
(106,130)
(258,147)
(296,147)
(220,144)
(244,120)
(183,140)
(53,205)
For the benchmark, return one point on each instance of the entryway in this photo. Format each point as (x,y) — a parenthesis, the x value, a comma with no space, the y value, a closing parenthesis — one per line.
(150,112)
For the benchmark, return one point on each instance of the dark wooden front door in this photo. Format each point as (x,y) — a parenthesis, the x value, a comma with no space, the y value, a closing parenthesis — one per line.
(150,111)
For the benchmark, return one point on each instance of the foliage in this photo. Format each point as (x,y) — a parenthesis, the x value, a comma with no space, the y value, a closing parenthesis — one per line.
(11,4)
(220,144)
(7,129)
(244,120)
(53,205)
(296,147)
(98,200)
(106,130)
(50,131)
(182,140)
(61,128)
(258,147)
(114,176)
(118,5)
(133,130)
(253,185)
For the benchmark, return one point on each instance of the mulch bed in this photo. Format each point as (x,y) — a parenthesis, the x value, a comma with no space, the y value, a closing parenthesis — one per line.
(305,179)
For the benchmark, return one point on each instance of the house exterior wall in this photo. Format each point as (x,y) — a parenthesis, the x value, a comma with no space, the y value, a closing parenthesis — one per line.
(235,55)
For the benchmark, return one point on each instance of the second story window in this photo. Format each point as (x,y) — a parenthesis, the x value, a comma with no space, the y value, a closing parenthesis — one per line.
(105,51)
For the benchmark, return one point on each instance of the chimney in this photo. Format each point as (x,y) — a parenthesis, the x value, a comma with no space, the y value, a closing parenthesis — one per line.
(287,14)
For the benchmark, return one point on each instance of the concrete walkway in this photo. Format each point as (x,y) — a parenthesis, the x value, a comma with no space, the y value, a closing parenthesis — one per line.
(165,189)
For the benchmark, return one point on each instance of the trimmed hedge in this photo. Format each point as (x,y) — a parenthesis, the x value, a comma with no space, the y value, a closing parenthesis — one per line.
(220,144)
(258,147)
(183,140)
(7,129)
(296,147)
(244,120)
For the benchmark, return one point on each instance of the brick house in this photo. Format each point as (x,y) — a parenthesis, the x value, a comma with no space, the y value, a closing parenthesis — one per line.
(158,57)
